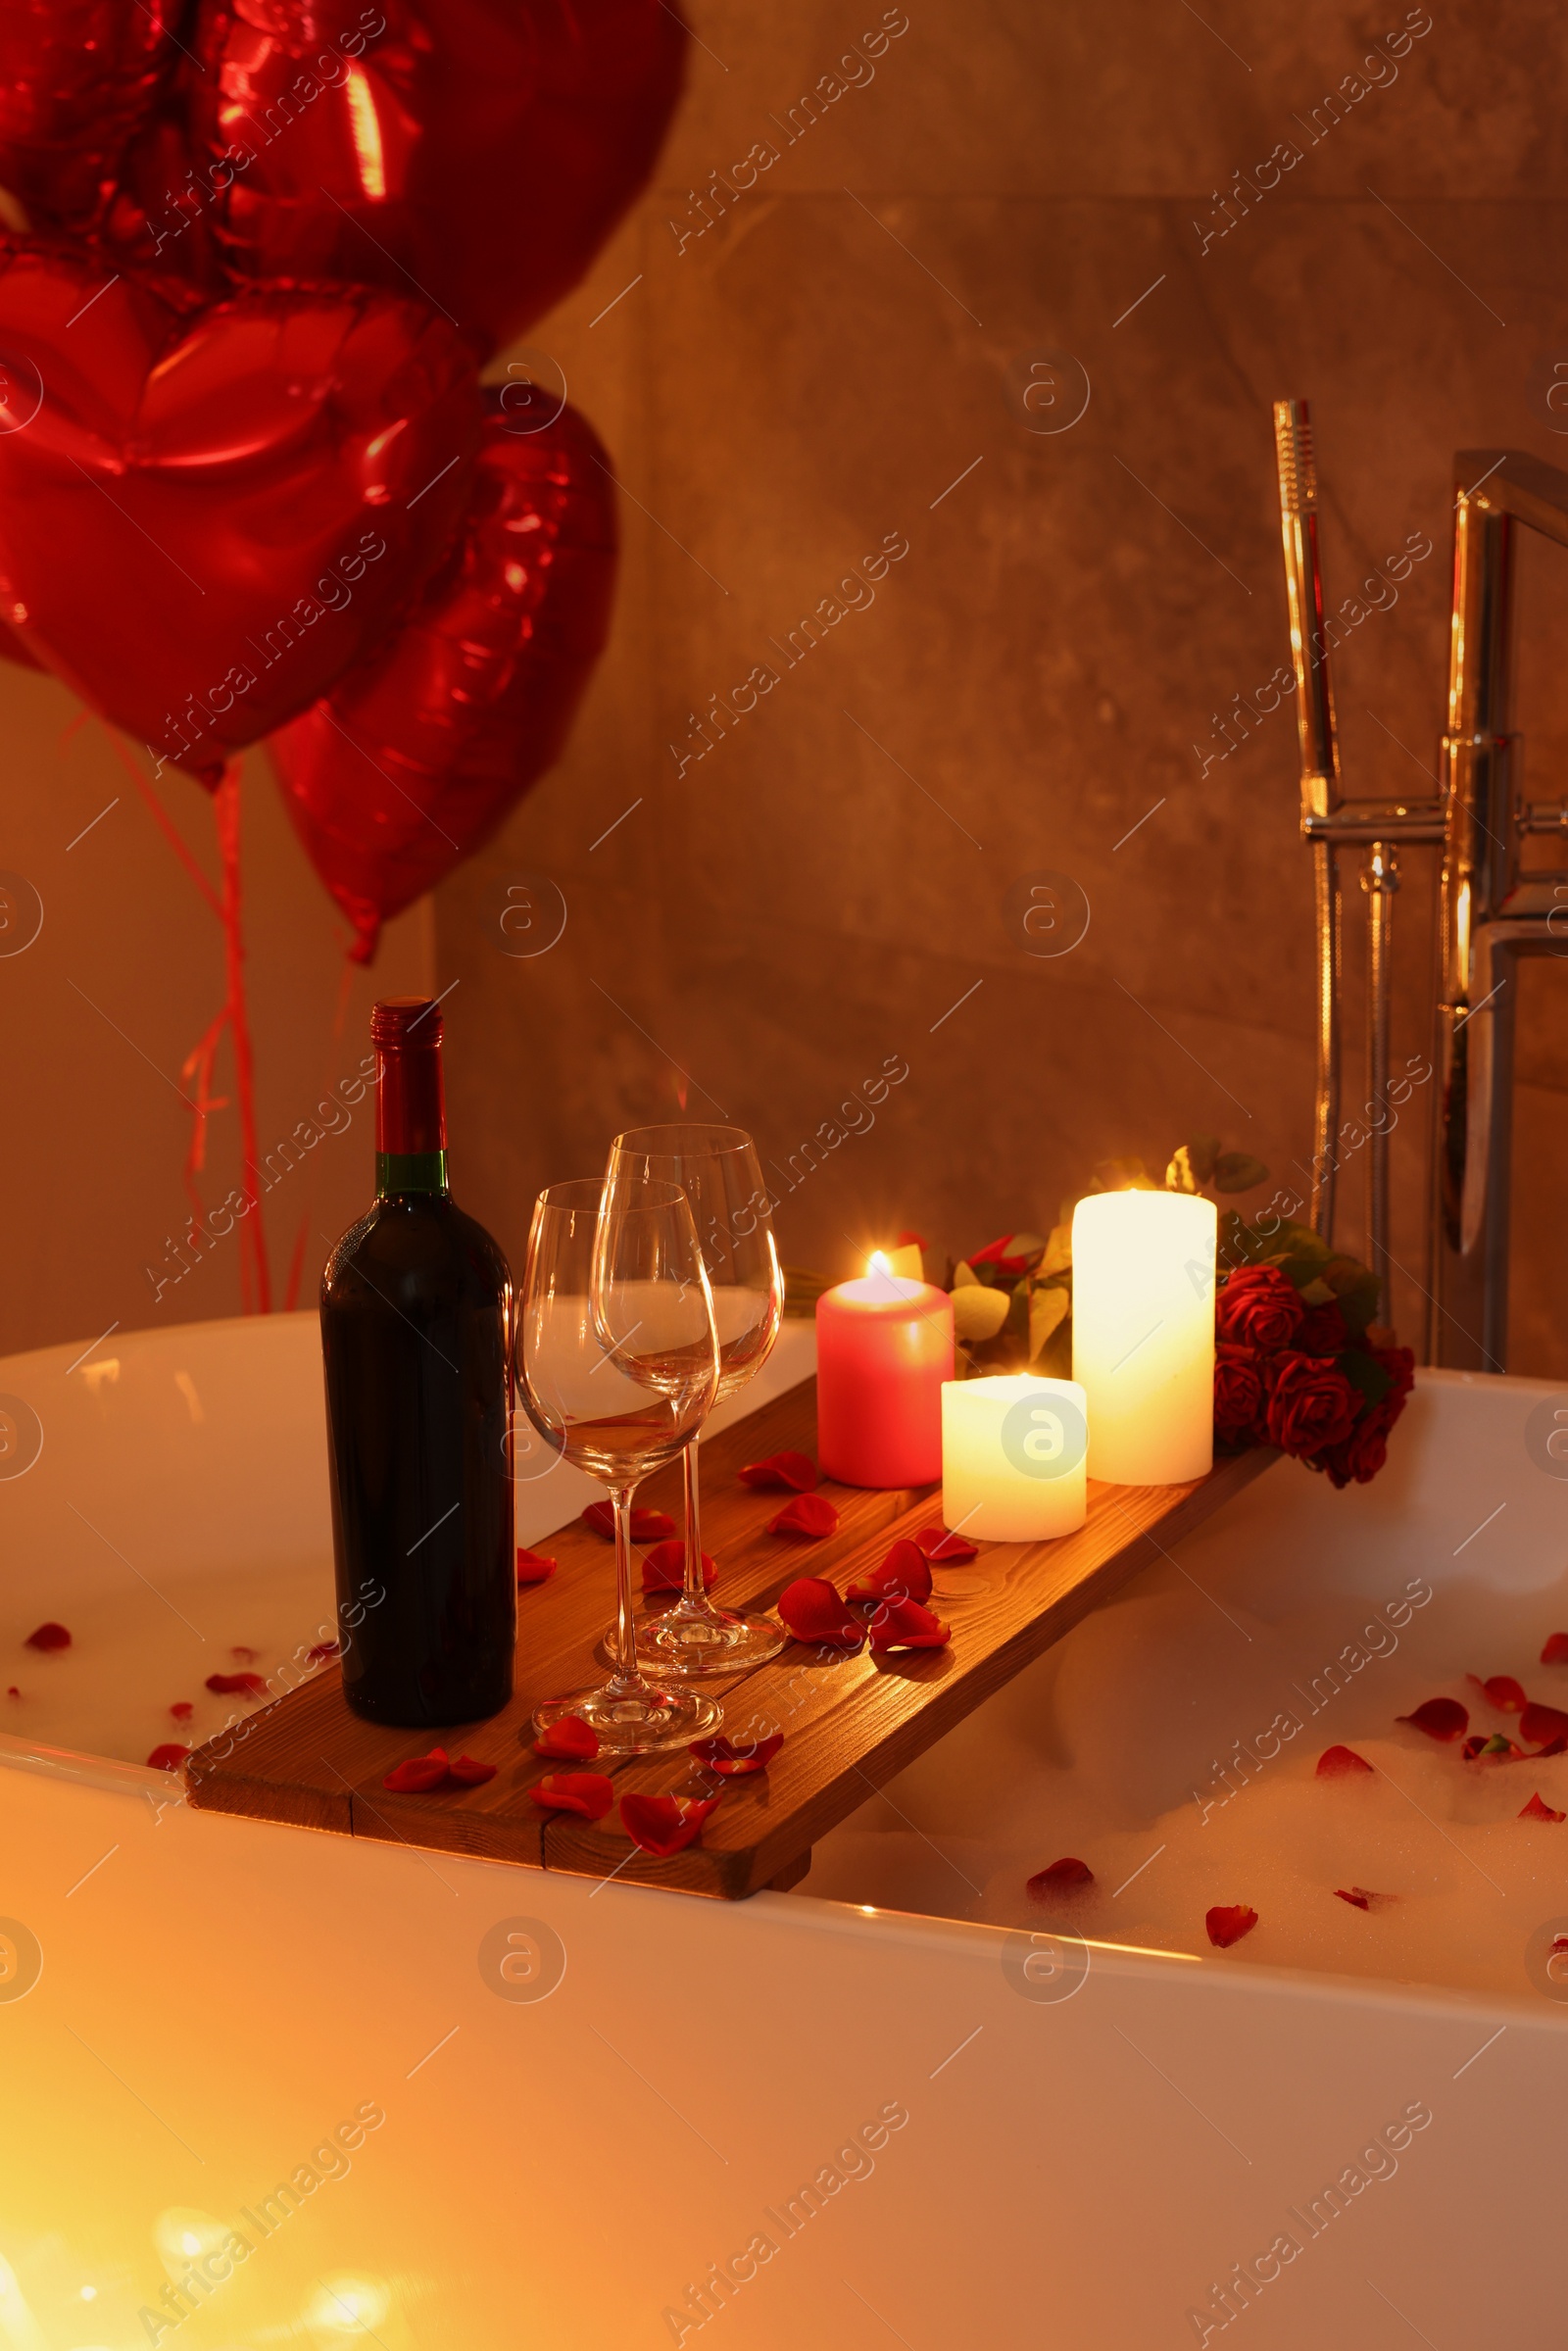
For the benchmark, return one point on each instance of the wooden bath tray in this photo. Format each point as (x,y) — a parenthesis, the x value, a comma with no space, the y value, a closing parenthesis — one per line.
(849,1722)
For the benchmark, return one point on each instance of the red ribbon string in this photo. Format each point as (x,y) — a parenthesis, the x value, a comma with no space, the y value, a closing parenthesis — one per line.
(227,903)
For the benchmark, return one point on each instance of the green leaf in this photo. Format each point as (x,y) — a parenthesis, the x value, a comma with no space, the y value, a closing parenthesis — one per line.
(1355,1289)
(979,1312)
(1179,1175)
(1316,1292)
(965,1276)
(1047,1311)
(1365,1374)
(1237,1172)
(1058,1252)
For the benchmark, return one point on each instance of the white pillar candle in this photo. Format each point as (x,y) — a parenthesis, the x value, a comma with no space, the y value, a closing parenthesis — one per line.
(1012,1458)
(1142,1333)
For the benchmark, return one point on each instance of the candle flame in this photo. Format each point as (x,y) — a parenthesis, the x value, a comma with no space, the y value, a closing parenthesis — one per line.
(878,1265)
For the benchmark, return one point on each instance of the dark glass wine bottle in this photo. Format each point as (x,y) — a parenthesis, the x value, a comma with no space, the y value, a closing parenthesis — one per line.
(416,1334)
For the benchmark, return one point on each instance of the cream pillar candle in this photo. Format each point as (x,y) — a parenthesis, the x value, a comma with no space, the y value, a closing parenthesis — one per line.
(1142,1333)
(1012,1458)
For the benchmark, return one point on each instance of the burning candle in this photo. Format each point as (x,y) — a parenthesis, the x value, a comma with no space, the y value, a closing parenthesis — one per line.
(884,1347)
(1142,1333)
(1012,1458)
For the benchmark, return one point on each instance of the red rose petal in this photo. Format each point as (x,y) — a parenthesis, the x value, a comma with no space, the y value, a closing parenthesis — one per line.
(182,1710)
(587,1792)
(1539,1722)
(1440,1717)
(944,1549)
(664,1825)
(809,1514)
(904,1575)
(1064,1877)
(223,1683)
(569,1737)
(734,1762)
(418,1775)
(647,1526)
(1227,1923)
(170,1758)
(1536,1810)
(1337,1763)
(906,1625)
(49,1636)
(797,1472)
(1359,1898)
(1501,1691)
(813,1610)
(910,1241)
(1553,1746)
(1555,1652)
(468,1773)
(533,1567)
(246,1656)
(12,1692)
(665,1567)
(1472,1748)
(322,1651)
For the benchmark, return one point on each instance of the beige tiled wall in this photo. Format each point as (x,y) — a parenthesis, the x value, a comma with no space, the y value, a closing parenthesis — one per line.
(1035,686)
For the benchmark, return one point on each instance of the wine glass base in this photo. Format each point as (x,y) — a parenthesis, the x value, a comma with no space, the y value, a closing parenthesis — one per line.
(708,1641)
(641,1721)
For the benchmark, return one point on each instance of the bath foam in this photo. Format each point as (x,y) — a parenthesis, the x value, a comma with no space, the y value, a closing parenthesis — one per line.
(135,1653)
(1171,1739)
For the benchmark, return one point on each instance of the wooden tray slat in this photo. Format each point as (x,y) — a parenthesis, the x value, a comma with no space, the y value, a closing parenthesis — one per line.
(851,1722)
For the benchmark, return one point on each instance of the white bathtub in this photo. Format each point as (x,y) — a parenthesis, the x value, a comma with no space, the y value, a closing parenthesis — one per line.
(216,1997)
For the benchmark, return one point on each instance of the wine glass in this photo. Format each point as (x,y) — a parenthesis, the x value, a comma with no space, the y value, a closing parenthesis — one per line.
(716,1168)
(617,1369)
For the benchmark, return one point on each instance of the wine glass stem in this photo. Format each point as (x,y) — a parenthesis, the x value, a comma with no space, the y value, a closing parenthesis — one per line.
(694,1590)
(626,1627)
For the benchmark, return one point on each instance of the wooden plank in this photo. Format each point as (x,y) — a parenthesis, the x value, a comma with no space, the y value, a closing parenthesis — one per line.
(851,1721)
(306,1761)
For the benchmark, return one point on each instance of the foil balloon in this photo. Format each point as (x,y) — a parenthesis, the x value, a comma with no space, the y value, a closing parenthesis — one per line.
(479,151)
(413,761)
(76,77)
(206,517)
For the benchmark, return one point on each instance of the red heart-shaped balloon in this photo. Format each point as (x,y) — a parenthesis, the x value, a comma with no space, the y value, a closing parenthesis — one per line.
(76,78)
(204,520)
(478,150)
(414,758)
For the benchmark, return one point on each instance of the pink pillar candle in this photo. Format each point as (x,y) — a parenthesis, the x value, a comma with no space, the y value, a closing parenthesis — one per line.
(884,1346)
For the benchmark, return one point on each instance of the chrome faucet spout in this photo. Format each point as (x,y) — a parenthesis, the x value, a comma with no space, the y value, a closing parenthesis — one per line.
(1489,911)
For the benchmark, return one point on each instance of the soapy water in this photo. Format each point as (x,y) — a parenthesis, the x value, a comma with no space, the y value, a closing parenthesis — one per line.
(1170,1742)
(136,1652)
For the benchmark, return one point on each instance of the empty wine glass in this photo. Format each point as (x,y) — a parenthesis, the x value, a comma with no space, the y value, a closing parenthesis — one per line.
(617,1369)
(716,1168)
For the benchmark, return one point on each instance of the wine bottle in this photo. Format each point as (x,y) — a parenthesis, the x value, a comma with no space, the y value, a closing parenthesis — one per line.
(415,1335)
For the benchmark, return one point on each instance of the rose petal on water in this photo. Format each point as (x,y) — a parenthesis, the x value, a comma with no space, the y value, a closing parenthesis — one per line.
(1439,1718)
(1228,1922)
